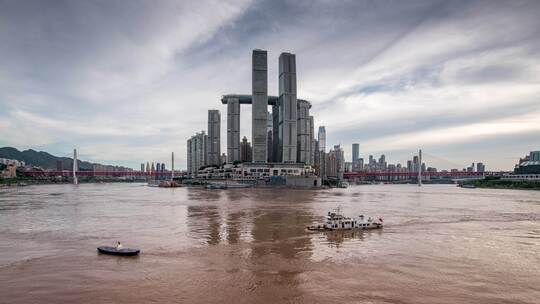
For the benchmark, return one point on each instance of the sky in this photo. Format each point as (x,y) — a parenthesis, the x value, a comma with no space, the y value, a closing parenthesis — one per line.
(127,82)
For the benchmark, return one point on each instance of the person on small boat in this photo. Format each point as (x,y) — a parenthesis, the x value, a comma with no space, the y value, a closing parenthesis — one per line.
(119,246)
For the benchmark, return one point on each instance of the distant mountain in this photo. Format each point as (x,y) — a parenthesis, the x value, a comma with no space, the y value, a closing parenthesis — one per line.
(42,159)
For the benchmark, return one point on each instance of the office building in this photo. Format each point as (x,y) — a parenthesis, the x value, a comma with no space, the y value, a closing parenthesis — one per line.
(213,147)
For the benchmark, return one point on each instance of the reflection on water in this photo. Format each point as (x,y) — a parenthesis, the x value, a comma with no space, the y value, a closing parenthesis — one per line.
(439,244)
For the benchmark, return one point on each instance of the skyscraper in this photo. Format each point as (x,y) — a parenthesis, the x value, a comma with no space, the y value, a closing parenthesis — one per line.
(322,138)
(213,148)
(303,146)
(259,109)
(196,152)
(311,141)
(480,167)
(288,107)
(355,153)
(270,138)
(233,130)
(245,150)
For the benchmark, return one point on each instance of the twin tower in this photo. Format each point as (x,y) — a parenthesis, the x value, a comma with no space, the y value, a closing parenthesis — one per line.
(290,126)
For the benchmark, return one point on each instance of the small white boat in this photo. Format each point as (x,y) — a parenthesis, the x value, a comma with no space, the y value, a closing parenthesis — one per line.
(337,221)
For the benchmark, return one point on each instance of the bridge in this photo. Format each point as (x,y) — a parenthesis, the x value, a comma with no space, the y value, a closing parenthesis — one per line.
(458,174)
(69,173)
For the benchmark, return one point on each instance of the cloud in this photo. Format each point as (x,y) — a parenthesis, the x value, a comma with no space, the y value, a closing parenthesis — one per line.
(130,81)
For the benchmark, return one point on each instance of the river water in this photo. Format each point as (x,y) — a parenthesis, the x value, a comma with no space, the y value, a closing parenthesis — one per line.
(440,244)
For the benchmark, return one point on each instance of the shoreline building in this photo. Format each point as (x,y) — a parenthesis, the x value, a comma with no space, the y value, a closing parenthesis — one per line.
(213,148)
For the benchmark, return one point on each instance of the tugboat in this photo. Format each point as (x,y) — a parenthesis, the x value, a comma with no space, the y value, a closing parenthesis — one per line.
(337,221)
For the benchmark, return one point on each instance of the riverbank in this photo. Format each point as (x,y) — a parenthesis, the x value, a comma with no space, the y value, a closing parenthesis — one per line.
(505,184)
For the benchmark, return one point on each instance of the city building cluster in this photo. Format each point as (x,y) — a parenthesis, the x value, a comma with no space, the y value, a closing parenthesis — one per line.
(528,168)
(357,164)
(283,140)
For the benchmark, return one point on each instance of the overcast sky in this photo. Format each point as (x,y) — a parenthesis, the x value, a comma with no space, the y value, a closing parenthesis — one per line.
(127,82)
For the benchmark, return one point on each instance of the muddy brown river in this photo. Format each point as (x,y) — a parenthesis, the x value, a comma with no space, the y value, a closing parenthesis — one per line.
(440,244)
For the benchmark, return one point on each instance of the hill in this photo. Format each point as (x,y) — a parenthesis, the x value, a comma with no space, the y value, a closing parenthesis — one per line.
(42,159)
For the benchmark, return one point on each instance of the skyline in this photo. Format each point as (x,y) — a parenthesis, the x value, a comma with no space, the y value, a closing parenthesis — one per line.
(124,86)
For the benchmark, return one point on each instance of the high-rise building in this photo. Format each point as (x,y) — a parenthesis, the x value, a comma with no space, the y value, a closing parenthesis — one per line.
(382,162)
(480,167)
(355,156)
(335,162)
(259,107)
(142,167)
(213,148)
(355,153)
(270,138)
(321,136)
(288,107)
(245,150)
(303,146)
(223,158)
(534,156)
(276,140)
(196,152)
(312,140)
(233,130)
